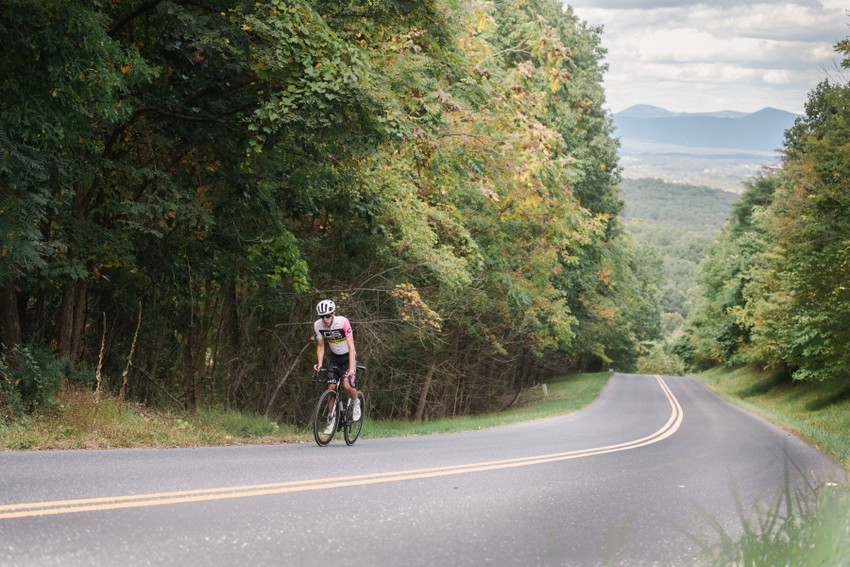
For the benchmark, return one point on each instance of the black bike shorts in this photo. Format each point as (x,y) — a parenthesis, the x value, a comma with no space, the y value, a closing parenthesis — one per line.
(337,367)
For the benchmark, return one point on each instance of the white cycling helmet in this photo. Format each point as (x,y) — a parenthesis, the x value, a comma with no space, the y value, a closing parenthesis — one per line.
(325,307)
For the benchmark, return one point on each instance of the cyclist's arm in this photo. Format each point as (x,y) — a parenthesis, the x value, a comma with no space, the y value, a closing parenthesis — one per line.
(352,357)
(320,352)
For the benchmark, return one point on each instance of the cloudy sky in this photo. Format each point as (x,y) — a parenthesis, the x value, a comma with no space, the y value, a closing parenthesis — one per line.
(705,56)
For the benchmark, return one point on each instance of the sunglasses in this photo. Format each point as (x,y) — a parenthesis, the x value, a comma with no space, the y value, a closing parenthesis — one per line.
(327,316)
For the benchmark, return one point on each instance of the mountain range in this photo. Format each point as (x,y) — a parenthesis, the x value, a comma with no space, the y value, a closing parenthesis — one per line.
(712,149)
(761,131)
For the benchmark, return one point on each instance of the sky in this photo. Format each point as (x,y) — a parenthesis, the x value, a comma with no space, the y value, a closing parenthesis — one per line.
(692,56)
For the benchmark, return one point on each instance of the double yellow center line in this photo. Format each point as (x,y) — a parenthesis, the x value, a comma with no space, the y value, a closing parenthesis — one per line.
(202,495)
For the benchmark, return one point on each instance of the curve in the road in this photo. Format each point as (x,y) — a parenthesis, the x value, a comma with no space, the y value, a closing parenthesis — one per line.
(159,499)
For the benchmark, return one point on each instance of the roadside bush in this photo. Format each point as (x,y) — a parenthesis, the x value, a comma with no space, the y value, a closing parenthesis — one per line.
(10,399)
(82,374)
(29,381)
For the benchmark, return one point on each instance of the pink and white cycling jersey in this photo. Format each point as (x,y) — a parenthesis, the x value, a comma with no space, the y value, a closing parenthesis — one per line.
(334,334)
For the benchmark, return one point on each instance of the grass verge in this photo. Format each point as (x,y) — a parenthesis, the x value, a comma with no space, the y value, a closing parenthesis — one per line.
(566,394)
(75,420)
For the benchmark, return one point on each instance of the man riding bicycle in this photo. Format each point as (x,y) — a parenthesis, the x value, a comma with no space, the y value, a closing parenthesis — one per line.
(336,330)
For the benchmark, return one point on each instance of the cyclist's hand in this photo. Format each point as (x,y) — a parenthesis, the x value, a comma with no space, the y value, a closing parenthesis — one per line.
(350,373)
(315,368)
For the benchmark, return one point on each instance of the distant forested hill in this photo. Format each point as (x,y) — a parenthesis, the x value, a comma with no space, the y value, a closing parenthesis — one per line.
(686,207)
(679,222)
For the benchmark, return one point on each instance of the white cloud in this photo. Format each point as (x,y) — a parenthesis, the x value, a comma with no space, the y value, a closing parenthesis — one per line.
(778,77)
(702,56)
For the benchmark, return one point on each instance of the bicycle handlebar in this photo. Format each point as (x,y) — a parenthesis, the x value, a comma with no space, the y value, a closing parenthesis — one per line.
(316,373)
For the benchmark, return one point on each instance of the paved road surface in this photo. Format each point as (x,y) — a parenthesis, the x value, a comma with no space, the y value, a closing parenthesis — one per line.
(627,478)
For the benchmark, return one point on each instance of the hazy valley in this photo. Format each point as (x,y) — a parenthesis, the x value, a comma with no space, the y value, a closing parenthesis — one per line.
(719,149)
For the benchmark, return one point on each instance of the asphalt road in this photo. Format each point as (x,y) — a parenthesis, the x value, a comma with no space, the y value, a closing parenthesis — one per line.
(632,479)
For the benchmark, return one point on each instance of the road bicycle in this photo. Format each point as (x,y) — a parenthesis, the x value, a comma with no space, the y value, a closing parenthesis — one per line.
(335,405)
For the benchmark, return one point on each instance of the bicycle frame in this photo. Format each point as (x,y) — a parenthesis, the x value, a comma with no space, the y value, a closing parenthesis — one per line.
(342,410)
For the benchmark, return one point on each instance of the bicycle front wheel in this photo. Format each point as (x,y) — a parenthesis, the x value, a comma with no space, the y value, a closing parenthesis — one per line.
(352,430)
(324,416)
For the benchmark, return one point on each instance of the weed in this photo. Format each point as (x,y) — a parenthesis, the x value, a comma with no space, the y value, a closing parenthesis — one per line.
(802,527)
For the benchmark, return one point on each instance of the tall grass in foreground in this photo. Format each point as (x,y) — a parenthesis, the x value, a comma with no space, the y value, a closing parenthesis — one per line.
(803,529)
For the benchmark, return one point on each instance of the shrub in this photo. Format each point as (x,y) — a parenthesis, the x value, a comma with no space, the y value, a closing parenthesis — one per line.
(660,361)
(10,399)
(29,381)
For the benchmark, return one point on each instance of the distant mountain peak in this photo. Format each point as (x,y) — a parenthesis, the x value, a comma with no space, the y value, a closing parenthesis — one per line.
(770,111)
(756,131)
(649,111)
(645,111)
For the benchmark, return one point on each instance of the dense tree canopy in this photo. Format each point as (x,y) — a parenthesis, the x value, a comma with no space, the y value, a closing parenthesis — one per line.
(774,290)
(182,181)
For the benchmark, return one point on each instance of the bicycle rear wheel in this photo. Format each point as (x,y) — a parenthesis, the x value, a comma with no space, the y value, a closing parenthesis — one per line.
(325,413)
(352,430)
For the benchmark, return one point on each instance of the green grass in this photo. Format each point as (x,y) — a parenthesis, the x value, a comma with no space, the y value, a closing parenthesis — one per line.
(75,420)
(566,394)
(802,530)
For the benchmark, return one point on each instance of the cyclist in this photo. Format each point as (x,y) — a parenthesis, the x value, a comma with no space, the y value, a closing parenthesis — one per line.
(336,330)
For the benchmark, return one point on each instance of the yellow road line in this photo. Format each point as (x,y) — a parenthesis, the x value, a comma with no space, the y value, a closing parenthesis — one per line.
(201,495)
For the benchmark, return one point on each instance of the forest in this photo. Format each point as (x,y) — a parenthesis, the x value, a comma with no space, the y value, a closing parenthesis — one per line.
(181,182)
(773,290)
(681,206)
(677,222)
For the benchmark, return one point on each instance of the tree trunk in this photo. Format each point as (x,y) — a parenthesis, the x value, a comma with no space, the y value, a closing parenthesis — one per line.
(283,378)
(231,347)
(65,324)
(10,323)
(70,325)
(405,405)
(426,385)
(40,319)
(195,356)
(187,368)
(201,350)
(79,319)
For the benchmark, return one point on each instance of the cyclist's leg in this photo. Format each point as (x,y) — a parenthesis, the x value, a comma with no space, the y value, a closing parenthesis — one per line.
(348,387)
(341,362)
(334,375)
(331,402)
(325,424)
